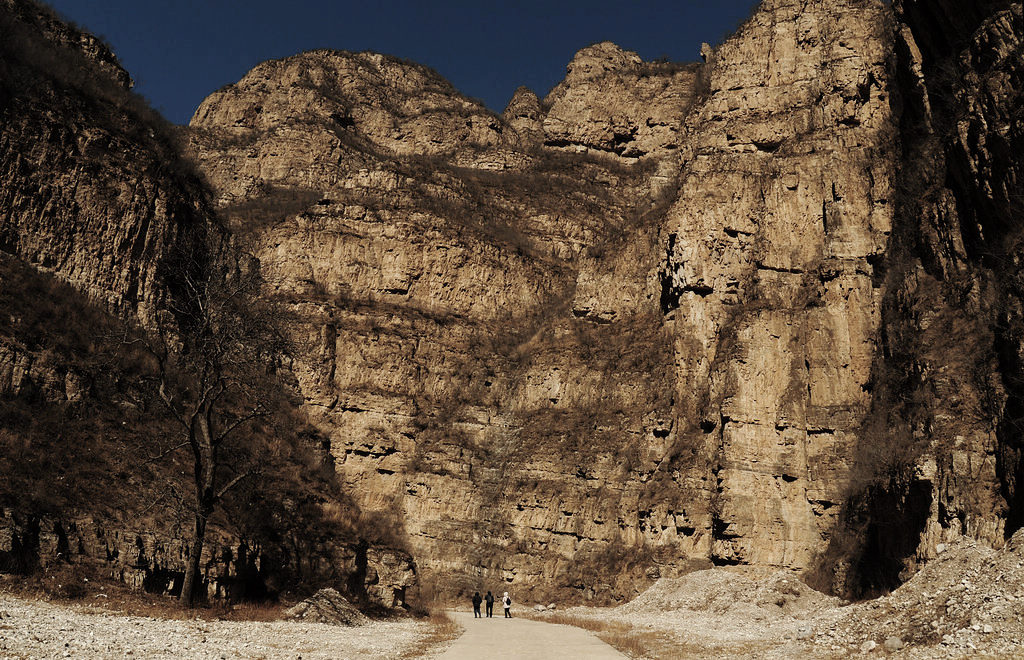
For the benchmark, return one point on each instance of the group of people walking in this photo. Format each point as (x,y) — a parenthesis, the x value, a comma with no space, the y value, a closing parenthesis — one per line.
(506,602)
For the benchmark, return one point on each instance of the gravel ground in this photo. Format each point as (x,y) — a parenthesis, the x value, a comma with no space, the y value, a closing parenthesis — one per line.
(37,629)
(966,603)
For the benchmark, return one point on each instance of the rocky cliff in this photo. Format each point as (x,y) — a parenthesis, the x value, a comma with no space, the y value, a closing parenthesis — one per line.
(946,375)
(433,271)
(98,205)
(566,382)
(759,310)
(771,278)
(104,152)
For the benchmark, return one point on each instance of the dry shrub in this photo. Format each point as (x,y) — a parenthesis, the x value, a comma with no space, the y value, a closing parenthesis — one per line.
(250,611)
(621,636)
(443,630)
(428,598)
(271,205)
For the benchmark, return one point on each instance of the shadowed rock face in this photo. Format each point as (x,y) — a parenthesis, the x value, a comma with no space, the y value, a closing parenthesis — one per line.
(740,312)
(95,190)
(96,194)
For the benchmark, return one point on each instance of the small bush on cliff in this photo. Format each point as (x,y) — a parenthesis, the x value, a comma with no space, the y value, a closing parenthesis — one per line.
(273,204)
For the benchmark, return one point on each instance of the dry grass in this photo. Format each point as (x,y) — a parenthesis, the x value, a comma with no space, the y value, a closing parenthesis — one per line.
(621,636)
(444,629)
(263,612)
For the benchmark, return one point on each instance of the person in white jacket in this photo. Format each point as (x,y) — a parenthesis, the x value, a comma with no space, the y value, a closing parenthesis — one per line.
(507,604)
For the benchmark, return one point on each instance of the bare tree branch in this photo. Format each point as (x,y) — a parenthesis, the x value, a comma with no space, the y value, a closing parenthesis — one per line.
(167,453)
(226,488)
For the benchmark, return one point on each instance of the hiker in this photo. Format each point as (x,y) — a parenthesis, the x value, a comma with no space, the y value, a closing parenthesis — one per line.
(476,604)
(489,598)
(507,602)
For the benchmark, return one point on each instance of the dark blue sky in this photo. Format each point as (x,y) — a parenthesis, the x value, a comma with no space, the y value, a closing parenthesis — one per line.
(179,51)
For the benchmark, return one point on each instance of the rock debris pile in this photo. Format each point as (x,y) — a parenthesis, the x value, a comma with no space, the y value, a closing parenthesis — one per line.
(722,591)
(328,606)
(965,603)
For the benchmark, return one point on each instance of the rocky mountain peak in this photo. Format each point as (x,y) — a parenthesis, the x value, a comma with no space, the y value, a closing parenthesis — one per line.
(593,62)
(39,18)
(394,104)
(524,104)
(611,101)
(597,60)
(524,113)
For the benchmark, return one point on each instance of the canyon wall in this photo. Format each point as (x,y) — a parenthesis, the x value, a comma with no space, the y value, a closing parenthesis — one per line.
(760,310)
(102,220)
(95,189)
(572,380)
(943,429)
(434,282)
(771,280)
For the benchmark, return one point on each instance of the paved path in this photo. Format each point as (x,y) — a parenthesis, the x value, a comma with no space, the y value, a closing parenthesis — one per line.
(521,639)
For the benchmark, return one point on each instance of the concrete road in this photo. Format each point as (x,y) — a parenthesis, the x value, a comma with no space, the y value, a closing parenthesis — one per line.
(524,640)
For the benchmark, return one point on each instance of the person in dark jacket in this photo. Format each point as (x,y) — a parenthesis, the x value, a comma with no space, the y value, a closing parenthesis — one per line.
(490,604)
(476,604)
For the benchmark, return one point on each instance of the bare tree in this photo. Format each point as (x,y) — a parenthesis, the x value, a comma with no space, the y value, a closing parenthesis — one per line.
(217,346)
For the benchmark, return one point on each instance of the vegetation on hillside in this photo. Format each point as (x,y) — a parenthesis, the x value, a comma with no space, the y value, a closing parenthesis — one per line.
(85,435)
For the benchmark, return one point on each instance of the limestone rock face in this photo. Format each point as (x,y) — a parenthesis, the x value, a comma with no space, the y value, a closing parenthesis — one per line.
(433,294)
(769,282)
(612,101)
(390,574)
(141,558)
(154,561)
(672,315)
(398,106)
(950,371)
(524,114)
(686,357)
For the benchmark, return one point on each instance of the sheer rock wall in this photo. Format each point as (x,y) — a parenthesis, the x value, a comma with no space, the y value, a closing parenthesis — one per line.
(948,371)
(94,188)
(733,312)
(771,282)
(434,277)
(682,375)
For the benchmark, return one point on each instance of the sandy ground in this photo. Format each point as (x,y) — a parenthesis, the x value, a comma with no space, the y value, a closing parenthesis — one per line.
(37,629)
(523,639)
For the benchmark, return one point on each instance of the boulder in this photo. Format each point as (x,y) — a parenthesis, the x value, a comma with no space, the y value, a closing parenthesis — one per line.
(893,644)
